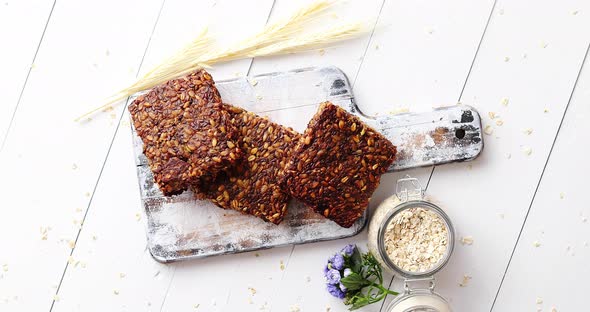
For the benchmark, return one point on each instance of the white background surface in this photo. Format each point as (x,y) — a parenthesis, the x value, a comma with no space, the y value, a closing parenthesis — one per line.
(58,59)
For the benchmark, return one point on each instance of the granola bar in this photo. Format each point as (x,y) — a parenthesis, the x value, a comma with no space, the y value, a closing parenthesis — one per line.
(337,164)
(187,133)
(252,185)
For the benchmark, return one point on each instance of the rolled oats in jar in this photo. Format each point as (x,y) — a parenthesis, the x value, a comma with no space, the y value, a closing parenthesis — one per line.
(414,238)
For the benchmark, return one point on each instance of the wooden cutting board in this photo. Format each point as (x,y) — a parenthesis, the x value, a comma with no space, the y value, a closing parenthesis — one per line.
(181,227)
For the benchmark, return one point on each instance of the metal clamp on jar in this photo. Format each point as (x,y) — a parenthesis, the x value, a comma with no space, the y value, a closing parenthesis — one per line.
(386,221)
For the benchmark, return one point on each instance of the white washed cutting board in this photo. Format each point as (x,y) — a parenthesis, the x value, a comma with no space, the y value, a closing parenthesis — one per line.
(181,227)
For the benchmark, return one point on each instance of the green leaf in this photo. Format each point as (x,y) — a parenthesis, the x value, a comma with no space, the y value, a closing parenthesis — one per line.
(357,304)
(354,281)
(357,261)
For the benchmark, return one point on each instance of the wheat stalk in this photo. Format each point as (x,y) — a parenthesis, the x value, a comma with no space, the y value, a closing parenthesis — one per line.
(282,37)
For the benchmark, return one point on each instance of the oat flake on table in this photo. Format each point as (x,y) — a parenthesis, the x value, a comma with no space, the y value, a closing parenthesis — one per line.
(416,239)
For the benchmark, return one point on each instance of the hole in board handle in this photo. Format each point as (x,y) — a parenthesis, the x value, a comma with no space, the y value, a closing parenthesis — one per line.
(460,133)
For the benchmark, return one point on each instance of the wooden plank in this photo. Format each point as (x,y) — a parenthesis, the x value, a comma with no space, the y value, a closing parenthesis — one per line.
(50,164)
(556,234)
(294,287)
(120,246)
(29,18)
(513,77)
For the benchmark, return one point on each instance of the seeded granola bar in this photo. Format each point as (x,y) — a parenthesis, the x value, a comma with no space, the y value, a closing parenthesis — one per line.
(252,186)
(187,133)
(337,164)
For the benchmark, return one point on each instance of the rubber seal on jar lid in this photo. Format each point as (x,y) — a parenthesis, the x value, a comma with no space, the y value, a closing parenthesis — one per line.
(419,301)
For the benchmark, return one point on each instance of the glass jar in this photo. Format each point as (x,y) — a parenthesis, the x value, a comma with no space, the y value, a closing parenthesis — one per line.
(409,194)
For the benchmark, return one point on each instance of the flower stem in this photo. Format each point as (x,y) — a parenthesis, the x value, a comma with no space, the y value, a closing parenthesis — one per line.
(385,290)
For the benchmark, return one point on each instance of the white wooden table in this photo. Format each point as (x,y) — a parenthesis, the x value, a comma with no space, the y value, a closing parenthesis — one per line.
(524,60)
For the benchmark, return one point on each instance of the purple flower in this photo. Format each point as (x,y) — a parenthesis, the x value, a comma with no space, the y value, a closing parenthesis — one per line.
(335,291)
(333,277)
(337,261)
(347,272)
(327,269)
(348,250)
(342,287)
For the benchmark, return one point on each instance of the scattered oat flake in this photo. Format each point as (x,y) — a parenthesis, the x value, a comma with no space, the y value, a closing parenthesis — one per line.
(138,216)
(94,237)
(74,166)
(467,240)
(71,260)
(282,265)
(506,59)
(5,267)
(294,308)
(539,300)
(44,230)
(257,255)
(250,300)
(508,155)
(399,111)
(528,131)
(55,298)
(536,244)
(488,130)
(499,122)
(492,115)
(501,12)
(562,195)
(575,12)
(544,44)
(87,194)
(328,308)
(553,309)
(71,244)
(527,150)
(259,97)
(505,101)
(196,306)
(322,51)
(465,281)
(122,275)
(376,47)
(253,81)
(263,307)
(469,167)
(252,290)
(116,291)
